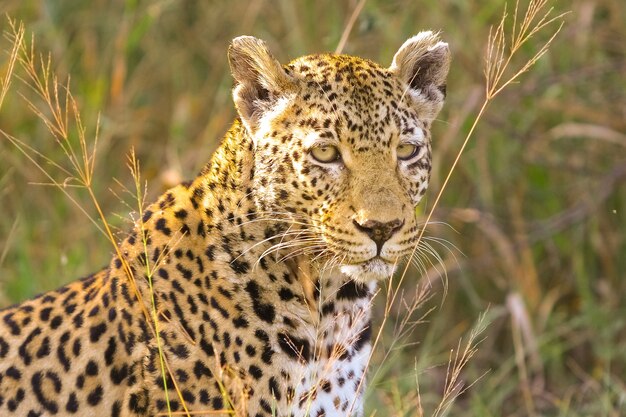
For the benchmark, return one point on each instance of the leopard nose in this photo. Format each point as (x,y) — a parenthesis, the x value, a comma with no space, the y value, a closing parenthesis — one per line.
(379,232)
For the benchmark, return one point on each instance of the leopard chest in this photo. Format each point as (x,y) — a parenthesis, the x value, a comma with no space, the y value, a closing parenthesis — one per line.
(333,380)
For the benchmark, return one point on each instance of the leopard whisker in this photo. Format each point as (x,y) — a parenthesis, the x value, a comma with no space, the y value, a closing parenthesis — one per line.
(418,263)
(276,220)
(332,263)
(303,245)
(425,253)
(446,244)
(282,235)
(289,244)
(283,246)
(302,251)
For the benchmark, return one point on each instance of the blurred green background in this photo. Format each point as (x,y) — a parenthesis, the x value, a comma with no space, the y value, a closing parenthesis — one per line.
(535,212)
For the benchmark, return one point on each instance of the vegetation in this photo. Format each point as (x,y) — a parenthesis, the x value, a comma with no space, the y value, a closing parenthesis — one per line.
(529,232)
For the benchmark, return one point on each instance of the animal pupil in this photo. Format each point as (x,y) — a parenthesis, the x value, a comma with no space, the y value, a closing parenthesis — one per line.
(248,290)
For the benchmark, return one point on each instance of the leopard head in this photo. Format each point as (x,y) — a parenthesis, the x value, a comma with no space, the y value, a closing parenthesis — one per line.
(341,146)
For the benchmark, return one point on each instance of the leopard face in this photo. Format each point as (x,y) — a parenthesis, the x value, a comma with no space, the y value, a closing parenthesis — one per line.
(342,148)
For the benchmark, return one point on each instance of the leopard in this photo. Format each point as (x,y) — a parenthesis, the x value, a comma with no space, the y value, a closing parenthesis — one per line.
(248,291)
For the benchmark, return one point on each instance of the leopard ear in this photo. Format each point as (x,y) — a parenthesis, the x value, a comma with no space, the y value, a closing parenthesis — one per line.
(259,79)
(422,63)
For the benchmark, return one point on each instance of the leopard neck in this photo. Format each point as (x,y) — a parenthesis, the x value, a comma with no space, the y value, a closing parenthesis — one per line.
(230,170)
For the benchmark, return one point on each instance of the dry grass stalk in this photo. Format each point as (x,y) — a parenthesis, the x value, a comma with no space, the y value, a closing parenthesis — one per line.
(524,344)
(457,361)
(349,25)
(5,82)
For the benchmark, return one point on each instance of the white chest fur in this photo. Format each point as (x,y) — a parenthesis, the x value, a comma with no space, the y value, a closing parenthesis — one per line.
(332,383)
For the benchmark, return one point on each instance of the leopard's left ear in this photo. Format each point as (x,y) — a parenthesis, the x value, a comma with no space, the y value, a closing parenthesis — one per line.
(259,79)
(422,62)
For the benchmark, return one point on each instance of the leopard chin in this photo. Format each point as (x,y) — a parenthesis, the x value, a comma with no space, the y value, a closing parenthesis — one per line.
(375,269)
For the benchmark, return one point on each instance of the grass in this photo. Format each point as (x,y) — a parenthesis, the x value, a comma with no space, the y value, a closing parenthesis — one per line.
(535,204)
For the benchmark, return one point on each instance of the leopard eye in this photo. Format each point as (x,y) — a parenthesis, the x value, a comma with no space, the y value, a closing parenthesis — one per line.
(407,151)
(325,153)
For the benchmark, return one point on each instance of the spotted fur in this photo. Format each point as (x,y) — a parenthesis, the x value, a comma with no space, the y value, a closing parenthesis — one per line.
(262,269)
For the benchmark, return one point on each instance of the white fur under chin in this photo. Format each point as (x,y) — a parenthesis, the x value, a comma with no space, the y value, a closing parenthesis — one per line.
(373,270)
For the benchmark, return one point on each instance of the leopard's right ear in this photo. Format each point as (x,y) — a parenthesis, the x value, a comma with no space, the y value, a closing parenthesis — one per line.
(259,79)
